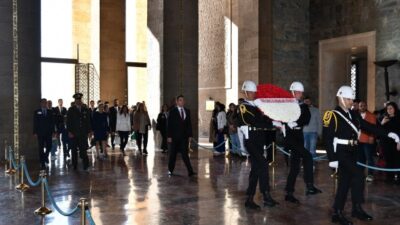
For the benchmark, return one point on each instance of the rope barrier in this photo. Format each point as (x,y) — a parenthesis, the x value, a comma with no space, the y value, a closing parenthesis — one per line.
(14,164)
(71,212)
(379,168)
(205,147)
(89,217)
(28,177)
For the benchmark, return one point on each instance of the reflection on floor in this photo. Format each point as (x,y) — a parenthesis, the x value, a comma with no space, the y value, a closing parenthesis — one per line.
(136,189)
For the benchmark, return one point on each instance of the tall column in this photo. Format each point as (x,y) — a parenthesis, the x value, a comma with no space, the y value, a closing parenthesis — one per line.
(28,95)
(155,40)
(113,72)
(181,54)
(255,41)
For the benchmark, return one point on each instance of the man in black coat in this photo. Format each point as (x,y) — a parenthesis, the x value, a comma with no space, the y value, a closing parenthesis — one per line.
(43,129)
(113,121)
(78,126)
(179,133)
(61,115)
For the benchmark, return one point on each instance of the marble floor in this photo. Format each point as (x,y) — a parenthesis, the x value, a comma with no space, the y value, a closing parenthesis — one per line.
(136,189)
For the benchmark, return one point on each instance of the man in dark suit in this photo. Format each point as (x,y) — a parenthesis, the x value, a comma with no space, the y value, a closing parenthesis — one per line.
(78,126)
(61,115)
(43,129)
(113,121)
(179,133)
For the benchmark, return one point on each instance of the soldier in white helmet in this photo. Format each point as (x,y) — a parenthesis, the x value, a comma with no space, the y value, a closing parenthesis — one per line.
(341,131)
(294,141)
(253,123)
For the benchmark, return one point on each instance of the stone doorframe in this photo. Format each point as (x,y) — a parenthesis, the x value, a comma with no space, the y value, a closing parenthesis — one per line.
(335,62)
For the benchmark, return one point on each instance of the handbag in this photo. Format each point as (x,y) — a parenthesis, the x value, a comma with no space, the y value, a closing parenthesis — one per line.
(133,136)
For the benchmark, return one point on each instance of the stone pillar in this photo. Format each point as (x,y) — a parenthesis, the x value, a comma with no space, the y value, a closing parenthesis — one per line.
(155,40)
(6,71)
(113,72)
(181,54)
(28,76)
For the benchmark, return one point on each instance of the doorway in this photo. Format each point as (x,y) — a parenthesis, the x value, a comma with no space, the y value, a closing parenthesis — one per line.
(347,60)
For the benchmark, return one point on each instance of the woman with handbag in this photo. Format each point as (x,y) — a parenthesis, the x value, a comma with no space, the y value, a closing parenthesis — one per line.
(123,127)
(141,126)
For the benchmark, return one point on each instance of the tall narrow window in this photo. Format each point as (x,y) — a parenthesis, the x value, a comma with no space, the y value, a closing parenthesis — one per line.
(354,77)
(136,50)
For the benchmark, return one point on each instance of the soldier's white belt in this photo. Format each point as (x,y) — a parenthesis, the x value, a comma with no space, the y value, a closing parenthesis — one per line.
(339,141)
(260,129)
(296,128)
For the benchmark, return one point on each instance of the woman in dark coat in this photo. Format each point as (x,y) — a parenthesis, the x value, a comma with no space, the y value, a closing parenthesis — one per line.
(162,126)
(391,123)
(100,129)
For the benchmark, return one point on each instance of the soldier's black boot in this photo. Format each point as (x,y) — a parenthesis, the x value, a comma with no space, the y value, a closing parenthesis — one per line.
(338,217)
(250,204)
(268,200)
(312,190)
(359,213)
(290,198)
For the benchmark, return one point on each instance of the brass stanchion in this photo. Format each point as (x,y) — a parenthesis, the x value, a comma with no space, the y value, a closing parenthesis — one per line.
(22,186)
(5,155)
(335,174)
(43,210)
(84,205)
(11,170)
(273,163)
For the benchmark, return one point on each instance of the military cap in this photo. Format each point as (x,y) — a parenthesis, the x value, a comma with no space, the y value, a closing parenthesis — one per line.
(77,96)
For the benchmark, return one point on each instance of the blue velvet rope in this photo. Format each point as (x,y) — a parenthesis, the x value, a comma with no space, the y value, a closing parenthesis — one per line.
(205,147)
(11,157)
(28,177)
(89,216)
(74,210)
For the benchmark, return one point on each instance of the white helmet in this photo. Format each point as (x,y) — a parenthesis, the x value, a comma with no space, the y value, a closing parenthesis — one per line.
(249,85)
(296,86)
(346,92)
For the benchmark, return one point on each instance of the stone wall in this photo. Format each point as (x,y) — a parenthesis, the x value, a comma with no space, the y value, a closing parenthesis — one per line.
(180,54)
(330,19)
(29,73)
(291,44)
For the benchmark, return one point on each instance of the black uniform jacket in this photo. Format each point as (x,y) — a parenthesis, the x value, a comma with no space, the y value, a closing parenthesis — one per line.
(178,128)
(253,117)
(78,122)
(43,124)
(336,126)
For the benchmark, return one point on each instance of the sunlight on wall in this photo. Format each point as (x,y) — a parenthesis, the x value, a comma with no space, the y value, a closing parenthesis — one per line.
(231,61)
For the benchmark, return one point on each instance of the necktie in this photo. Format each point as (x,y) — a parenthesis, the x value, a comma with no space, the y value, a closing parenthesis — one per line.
(182,115)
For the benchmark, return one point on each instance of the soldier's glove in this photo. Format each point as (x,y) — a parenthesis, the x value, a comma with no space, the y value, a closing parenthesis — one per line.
(292,125)
(394,136)
(334,164)
(277,124)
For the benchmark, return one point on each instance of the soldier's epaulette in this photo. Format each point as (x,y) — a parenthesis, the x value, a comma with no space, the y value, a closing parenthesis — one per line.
(243,109)
(328,117)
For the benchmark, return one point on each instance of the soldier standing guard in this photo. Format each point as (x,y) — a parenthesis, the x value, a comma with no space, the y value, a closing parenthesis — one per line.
(78,126)
(253,124)
(341,131)
(294,140)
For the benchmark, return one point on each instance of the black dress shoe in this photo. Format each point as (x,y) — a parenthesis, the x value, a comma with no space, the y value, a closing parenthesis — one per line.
(338,217)
(268,200)
(250,204)
(312,190)
(145,152)
(290,198)
(170,173)
(360,214)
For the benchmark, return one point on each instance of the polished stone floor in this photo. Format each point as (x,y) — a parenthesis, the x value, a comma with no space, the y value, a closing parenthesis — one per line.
(136,189)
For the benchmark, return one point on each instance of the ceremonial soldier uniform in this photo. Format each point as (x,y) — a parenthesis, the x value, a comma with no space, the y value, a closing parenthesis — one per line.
(294,141)
(78,126)
(341,131)
(254,124)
